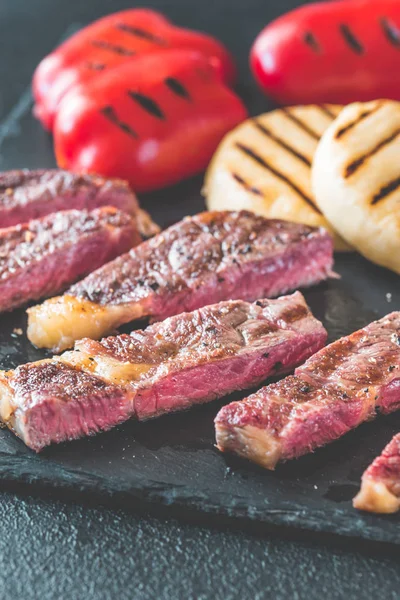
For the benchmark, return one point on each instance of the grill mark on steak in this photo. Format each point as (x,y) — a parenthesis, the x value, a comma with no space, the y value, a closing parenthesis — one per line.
(380,484)
(350,38)
(263,163)
(190,358)
(391,31)
(363,115)
(143,34)
(385,191)
(335,390)
(31,254)
(116,49)
(268,133)
(293,313)
(300,123)
(215,331)
(352,167)
(109,113)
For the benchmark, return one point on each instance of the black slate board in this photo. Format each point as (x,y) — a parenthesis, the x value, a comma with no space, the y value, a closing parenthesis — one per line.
(172,461)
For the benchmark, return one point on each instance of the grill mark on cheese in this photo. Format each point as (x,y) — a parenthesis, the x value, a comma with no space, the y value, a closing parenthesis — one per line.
(268,133)
(246,185)
(142,33)
(111,115)
(121,50)
(386,190)
(358,162)
(301,124)
(312,42)
(363,115)
(148,104)
(351,40)
(327,112)
(281,176)
(391,31)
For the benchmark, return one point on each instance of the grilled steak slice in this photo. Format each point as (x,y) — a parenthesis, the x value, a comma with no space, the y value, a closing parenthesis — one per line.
(26,195)
(46,255)
(338,388)
(199,356)
(380,487)
(187,359)
(49,401)
(200,260)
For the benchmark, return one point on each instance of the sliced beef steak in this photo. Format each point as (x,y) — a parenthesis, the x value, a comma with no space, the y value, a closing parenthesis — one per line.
(49,401)
(46,255)
(380,487)
(200,260)
(26,195)
(187,359)
(203,355)
(338,388)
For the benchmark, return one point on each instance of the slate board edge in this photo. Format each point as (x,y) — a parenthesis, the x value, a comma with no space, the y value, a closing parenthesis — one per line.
(49,476)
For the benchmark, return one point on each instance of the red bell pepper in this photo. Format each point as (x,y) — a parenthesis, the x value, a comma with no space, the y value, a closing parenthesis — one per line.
(339,51)
(110,41)
(152,121)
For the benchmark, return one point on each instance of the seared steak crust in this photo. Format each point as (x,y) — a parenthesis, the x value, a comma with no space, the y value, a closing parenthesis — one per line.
(26,195)
(203,259)
(213,332)
(187,255)
(198,356)
(380,487)
(44,256)
(187,359)
(336,389)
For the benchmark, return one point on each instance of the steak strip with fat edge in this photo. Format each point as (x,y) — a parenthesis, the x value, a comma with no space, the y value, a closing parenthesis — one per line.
(336,389)
(204,259)
(185,360)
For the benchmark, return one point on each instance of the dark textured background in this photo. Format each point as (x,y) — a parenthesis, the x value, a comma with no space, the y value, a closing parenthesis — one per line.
(56,550)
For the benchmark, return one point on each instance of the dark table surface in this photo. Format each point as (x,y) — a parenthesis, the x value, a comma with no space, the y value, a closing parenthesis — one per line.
(54,549)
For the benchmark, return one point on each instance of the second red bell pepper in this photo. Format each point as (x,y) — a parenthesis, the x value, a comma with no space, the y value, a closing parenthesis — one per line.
(152,121)
(339,51)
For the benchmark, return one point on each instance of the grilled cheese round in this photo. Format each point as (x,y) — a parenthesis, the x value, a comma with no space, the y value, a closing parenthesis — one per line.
(356,179)
(264,165)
